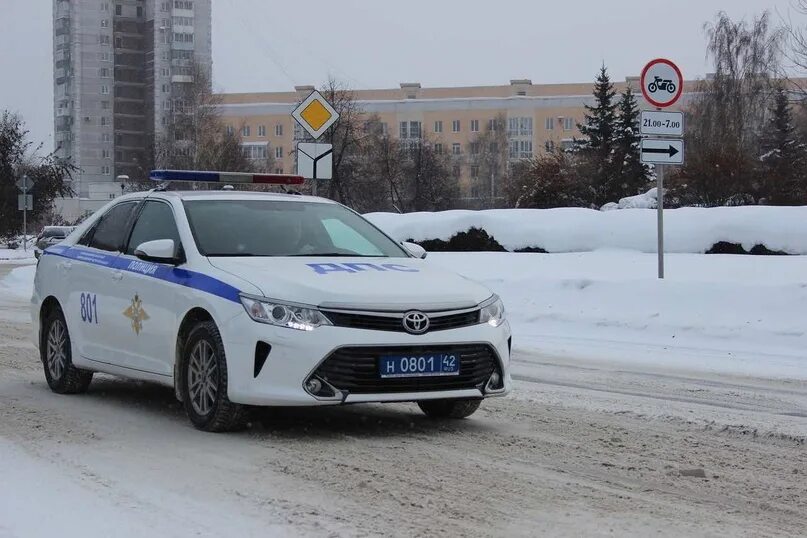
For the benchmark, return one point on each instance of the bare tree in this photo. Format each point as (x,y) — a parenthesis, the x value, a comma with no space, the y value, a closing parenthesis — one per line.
(196,137)
(428,184)
(346,136)
(728,114)
(489,152)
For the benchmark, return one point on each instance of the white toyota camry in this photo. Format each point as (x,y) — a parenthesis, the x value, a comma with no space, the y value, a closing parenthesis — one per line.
(241,299)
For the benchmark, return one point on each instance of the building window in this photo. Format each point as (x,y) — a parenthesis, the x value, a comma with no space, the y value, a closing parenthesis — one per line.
(549,124)
(474,126)
(456,149)
(183,4)
(165,72)
(139,11)
(525,149)
(104,6)
(104,40)
(384,129)
(455,170)
(105,105)
(230,130)
(278,170)
(183,37)
(118,10)
(474,148)
(105,56)
(104,89)
(550,146)
(245,130)
(254,152)
(262,130)
(438,126)
(105,154)
(404,130)
(414,129)
(106,170)
(514,149)
(493,125)
(525,127)
(165,88)
(279,152)
(103,72)
(165,6)
(279,130)
(438,149)
(474,172)
(455,126)
(568,124)
(104,23)
(105,138)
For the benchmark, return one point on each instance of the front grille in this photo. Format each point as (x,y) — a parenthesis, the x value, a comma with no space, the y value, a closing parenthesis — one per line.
(395,323)
(355,369)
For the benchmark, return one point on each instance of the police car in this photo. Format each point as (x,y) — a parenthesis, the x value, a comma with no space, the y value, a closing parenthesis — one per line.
(239,299)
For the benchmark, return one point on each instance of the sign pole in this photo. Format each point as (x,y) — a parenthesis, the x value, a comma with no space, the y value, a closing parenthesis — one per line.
(660,213)
(25,215)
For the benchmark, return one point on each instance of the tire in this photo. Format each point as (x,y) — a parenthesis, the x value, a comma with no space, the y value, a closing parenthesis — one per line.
(203,382)
(671,88)
(57,358)
(652,87)
(456,409)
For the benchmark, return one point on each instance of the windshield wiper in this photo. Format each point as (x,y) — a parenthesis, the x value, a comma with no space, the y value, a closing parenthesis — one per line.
(335,255)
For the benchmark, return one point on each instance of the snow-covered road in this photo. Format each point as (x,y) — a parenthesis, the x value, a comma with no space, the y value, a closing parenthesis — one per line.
(587,445)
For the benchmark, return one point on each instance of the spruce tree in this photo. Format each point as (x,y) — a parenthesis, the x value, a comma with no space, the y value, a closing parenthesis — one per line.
(784,157)
(598,128)
(633,175)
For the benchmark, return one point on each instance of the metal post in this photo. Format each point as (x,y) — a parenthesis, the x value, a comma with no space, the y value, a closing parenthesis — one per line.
(660,213)
(25,214)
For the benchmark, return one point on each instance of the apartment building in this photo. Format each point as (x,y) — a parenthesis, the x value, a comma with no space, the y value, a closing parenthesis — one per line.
(536,118)
(118,67)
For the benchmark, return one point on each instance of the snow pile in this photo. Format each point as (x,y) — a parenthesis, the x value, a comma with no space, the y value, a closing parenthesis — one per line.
(19,283)
(733,314)
(648,200)
(687,230)
(17,254)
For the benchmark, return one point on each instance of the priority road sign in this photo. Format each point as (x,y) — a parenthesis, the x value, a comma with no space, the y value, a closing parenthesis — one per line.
(662,151)
(25,184)
(315,161)
(662,83)
(315,114)
(662,123)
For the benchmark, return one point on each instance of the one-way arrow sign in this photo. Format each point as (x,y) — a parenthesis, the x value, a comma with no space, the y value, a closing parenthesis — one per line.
(662,151)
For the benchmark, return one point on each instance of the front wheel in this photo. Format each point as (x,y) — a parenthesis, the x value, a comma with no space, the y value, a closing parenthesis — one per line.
(57,358)
(671,88)
(203,382)
(652,87)
(456,409)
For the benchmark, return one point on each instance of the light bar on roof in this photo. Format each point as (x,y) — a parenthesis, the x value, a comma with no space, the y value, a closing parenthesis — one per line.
(225,177)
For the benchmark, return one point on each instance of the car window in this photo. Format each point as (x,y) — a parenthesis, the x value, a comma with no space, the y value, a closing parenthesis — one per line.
(110,233)
(344,237)
(281,228)
(156,221)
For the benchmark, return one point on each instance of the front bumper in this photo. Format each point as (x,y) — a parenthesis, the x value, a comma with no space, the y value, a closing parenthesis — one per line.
(255,378)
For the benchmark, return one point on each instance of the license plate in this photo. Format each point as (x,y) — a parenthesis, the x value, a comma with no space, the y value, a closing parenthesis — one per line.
(427,365)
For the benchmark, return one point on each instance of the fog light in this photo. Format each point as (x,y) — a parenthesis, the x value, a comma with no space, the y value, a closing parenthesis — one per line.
(313,385)
(495,379)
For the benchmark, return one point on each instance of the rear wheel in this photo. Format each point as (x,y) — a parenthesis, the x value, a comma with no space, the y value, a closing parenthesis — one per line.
(456,409)
(57,359)
(203,382)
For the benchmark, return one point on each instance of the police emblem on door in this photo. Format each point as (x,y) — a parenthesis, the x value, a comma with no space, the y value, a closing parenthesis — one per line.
(136,314)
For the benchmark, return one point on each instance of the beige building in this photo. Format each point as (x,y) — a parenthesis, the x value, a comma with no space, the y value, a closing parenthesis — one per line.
(537,118)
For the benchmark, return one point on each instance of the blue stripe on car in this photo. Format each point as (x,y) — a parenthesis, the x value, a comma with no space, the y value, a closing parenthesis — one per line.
(174,275)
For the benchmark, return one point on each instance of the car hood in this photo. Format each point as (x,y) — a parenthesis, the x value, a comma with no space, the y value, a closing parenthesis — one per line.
(358,283)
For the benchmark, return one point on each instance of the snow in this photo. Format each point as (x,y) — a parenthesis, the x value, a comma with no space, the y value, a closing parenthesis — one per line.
(717,313)
(19,283)
(687,230)
(16,254)
(648,200)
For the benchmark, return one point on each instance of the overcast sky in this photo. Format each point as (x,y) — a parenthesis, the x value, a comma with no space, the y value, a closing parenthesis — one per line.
(271,45)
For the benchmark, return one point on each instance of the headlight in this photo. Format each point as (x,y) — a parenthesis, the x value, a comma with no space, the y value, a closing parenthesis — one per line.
(492,312)
(292,316)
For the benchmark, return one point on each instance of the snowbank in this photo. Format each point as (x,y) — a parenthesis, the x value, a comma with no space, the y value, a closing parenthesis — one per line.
(730,314)
(687,230)
(19,283)
(17,254)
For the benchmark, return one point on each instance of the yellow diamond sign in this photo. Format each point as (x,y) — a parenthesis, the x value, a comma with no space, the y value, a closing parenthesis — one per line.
(315,114)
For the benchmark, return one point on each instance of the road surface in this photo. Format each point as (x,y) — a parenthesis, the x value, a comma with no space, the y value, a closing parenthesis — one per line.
(581,448)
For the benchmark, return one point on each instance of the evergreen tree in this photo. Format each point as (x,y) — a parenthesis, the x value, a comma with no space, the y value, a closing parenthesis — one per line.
(784,159)
(598,129)
(633,175)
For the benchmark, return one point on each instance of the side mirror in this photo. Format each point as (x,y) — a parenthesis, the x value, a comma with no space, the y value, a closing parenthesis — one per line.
(415,250)
(159,251)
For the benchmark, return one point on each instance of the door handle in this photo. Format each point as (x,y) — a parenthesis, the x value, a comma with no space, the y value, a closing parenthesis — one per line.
(117,275)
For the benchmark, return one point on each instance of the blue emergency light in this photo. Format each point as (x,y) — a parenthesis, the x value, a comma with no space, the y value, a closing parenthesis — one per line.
(225,177)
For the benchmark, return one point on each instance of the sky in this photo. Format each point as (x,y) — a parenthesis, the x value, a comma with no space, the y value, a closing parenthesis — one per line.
(273,45)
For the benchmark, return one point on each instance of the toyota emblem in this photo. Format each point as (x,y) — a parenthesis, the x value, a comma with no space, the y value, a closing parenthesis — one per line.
(416,322)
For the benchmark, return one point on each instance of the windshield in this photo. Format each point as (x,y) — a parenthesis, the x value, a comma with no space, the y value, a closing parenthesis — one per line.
(278,228)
